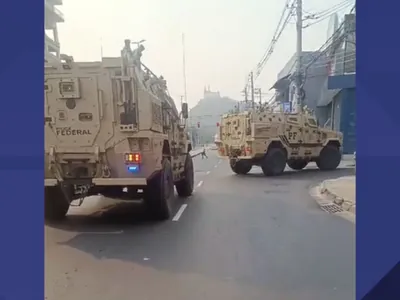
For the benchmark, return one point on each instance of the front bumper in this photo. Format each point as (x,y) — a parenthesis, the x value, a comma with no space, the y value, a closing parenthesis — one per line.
(106,181)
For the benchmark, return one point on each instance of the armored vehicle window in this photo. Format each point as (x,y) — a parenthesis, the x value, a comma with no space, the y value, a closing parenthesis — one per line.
(67,87)
(85,117)
(312,122)
(293,119)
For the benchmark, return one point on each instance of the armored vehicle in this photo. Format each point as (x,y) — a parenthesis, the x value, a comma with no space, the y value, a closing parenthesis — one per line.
(271,140)
(111,128)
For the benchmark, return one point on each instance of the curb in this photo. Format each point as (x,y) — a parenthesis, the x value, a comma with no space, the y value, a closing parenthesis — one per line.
(327,204)
(341,202)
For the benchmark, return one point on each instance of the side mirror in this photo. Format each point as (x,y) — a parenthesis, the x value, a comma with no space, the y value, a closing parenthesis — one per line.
(185,110)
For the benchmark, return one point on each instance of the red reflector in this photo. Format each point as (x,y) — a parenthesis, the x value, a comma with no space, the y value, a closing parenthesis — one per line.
(133,158)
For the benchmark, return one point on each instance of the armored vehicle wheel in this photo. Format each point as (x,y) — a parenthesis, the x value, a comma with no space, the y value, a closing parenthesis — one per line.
(297,164)
(56,205)
(159,193)
(184,187)
(274,162)
(240,167)
(329,158)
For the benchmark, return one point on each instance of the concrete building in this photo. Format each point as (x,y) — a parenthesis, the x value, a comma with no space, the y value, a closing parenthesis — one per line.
(315,76)
(336,107)
(52,16)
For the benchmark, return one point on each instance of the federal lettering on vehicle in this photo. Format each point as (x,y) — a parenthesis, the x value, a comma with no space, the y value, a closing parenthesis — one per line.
(69,131)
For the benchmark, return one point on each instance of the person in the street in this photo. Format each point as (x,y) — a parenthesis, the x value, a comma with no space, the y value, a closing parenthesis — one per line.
(203,153)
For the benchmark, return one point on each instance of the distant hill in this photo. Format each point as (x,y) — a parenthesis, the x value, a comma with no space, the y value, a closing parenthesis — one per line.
(208,113)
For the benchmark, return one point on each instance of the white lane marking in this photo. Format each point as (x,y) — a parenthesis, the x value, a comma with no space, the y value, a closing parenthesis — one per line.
(208,172)
(219,161)
(200,184)
(179,213)
(146,258)
(215,166)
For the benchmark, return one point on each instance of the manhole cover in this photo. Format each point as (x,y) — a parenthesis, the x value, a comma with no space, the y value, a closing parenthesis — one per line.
(331,208)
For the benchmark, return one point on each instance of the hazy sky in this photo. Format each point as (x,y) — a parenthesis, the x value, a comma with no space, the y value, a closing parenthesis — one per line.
(225,39)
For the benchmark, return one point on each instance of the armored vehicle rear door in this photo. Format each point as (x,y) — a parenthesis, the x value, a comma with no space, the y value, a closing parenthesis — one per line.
(233,128)
(238,130)
(75,107)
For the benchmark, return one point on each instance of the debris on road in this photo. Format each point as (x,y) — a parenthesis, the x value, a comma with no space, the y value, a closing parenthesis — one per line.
(343,192)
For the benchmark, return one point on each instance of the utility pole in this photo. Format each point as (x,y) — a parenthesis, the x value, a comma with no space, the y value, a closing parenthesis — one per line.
(299,26)
(252,89)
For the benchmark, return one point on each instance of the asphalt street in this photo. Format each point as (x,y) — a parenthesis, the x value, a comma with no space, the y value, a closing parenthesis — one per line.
(238,237)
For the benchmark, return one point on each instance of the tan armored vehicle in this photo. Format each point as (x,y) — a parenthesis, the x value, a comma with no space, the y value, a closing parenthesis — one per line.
(111,128)
(272,140)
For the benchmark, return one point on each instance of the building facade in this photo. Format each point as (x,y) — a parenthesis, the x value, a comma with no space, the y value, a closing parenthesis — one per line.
(329,87)
(336,107)
(52,16)
(315,75)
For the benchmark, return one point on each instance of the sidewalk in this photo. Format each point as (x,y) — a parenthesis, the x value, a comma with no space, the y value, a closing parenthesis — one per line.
(343,192)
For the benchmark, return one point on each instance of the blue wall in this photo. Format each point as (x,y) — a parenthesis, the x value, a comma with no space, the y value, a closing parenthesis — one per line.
(348,120)
(344,118)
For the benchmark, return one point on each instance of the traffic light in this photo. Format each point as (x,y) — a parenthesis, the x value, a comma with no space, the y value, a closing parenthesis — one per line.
(198,124)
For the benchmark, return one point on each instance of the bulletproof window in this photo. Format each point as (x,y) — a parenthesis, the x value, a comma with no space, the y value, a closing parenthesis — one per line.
(67,87)
(312,122)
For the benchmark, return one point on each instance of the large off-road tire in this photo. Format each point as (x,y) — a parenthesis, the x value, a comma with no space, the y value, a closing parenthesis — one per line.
(297,164)
(329,158)
(56,205)
(240,167)
(274,162)
(185,186)
(159,193)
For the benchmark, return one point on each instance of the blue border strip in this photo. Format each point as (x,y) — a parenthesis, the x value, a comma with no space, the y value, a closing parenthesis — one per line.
(21,150)
(378,154)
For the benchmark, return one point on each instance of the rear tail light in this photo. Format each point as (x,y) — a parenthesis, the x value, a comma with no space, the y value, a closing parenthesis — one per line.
(135,158)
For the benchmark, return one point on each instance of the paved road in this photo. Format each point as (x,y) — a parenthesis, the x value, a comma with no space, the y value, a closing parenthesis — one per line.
(237,238)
